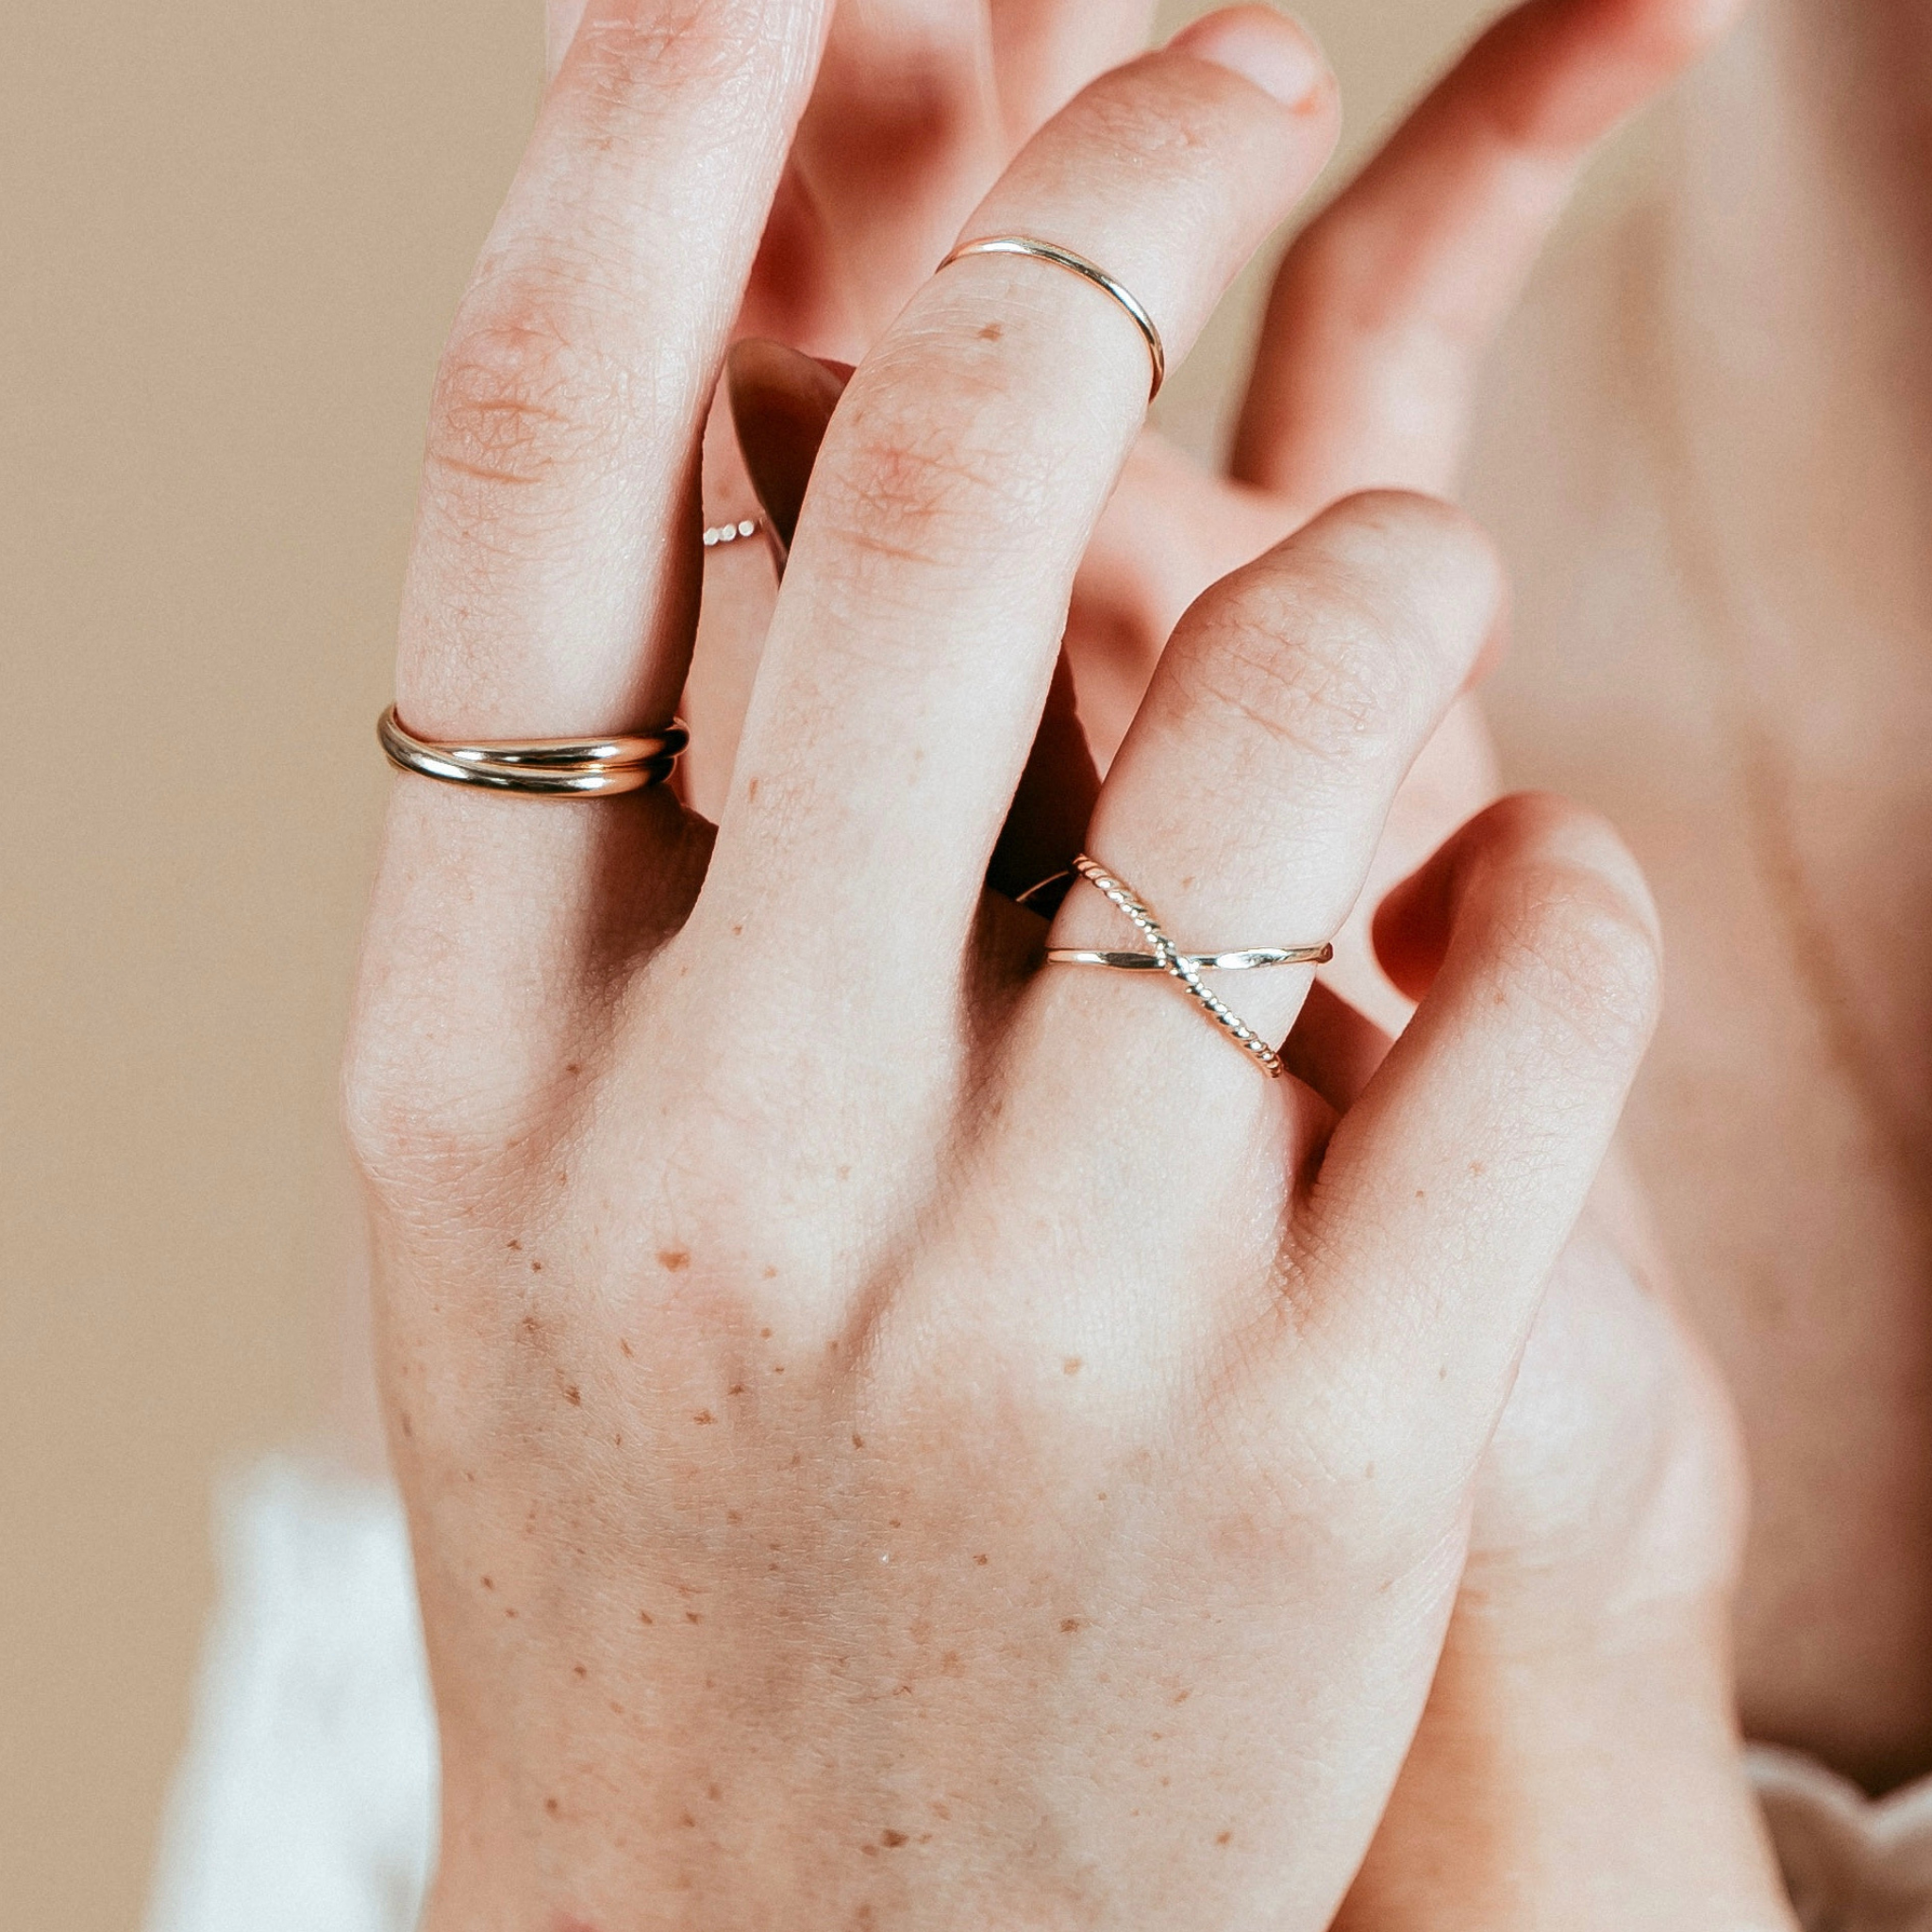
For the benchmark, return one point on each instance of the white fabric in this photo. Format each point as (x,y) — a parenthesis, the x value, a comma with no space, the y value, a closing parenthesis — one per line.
(306,1800)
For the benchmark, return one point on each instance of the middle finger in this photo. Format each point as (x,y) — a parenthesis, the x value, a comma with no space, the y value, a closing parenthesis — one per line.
(923,605)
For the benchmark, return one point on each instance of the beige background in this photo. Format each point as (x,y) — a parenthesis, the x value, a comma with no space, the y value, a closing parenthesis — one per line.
(230,238)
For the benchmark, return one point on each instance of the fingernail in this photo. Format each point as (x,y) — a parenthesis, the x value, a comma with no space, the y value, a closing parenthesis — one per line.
(1278,55)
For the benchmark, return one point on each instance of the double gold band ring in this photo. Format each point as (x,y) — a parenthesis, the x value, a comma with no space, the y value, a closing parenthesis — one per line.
(1087,271)
(539,767)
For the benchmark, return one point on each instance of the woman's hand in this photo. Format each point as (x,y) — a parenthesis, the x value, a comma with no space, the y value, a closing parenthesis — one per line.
(894,1432)
(1578,1764)
(1364,374)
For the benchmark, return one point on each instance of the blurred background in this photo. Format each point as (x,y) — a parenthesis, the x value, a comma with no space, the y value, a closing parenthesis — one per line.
(232,237)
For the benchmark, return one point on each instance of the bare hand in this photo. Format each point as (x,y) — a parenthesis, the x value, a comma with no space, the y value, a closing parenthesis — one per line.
(894,1432)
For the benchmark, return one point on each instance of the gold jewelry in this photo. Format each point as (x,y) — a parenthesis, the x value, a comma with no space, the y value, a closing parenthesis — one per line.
(718,534)
(1201,962)
(539,767)
(1075,264)
(1188,967)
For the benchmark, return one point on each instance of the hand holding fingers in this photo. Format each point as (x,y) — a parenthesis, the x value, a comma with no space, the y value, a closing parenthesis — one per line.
(775,1546)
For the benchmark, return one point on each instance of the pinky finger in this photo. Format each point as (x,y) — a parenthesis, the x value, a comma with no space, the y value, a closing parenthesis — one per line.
(1450,1187)
(1382,309)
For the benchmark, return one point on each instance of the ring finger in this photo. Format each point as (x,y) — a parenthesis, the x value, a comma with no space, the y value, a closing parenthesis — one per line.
(1245,804)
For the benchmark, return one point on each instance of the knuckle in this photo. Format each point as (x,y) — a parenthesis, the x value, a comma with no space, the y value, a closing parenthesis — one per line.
(432,1131)
(1326,688)
(920,479)
(406,1148)
(1425,556)
(623,61)
(1426,573)
(1179,114)
(522,393)
(619,55)
(1320,653)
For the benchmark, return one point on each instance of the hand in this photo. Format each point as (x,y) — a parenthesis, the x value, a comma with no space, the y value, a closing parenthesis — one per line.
(1577,1763)
(1364,374)
(894,1432)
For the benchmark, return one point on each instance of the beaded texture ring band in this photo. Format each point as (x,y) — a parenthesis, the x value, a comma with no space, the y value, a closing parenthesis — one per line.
(1186,968)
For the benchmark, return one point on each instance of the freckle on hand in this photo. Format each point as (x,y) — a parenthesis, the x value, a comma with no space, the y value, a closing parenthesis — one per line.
(673,1259)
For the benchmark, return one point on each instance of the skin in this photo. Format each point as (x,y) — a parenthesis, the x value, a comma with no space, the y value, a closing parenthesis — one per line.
(1753,595)
(1578,1762)
(644,1131)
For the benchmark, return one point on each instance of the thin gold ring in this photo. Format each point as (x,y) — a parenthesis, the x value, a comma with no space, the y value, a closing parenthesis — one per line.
(1202,962)
(539,767)
(1089,271)
(1186,967)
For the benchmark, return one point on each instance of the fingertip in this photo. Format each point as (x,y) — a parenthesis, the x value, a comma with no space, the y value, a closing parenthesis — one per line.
(1552,854)
(1410,929)
(1272,51)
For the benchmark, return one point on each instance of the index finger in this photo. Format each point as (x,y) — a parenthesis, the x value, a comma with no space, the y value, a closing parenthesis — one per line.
(552,586)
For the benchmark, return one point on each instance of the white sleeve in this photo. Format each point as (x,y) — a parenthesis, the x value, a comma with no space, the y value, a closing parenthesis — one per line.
(306,1800)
